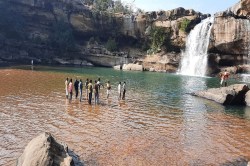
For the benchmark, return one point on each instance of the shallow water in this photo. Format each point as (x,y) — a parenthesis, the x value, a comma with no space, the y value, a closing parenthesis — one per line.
(159,123)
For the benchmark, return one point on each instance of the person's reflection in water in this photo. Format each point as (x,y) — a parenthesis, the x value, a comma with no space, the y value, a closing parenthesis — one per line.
(68,107)
(97,109)
(89,108)
(122,103)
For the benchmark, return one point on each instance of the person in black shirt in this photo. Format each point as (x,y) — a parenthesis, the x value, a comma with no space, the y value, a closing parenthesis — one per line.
(96,91)
(76,84)
(124,90)
(86,87)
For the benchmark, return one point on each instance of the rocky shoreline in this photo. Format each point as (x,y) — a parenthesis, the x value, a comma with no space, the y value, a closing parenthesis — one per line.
(225,49)
(237,94)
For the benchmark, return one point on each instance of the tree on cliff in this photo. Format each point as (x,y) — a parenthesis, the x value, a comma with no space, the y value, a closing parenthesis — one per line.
(103,5)
(184,24)
(157,37)
(119,7)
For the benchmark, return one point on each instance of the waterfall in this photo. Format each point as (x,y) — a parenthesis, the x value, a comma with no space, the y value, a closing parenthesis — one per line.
(194,58)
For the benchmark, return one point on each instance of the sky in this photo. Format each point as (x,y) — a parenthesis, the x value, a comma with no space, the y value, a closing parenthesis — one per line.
(203,6)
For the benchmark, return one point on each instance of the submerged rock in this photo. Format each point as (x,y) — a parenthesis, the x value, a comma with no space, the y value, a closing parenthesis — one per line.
(44,150)
(231,95)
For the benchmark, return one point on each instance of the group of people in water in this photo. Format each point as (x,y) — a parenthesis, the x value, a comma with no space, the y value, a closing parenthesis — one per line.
(90,89)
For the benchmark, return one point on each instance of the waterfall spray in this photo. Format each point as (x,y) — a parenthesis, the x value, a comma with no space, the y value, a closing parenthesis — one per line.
(194,58)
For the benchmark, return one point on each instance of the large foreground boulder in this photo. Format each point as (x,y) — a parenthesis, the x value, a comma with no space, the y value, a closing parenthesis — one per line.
(44,150)
(231,95)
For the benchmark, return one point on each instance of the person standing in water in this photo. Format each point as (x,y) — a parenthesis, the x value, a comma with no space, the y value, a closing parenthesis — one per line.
(90,89)
(96,92)
(80,88)
(86,87)
(66,87)
(224,77)
(76,84)
(119,91)
(108,89)
(70,90)
(99,83)
(124,90)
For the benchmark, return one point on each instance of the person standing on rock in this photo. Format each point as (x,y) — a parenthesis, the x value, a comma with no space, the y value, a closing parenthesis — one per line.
(124,90)
(108,89)
(76,84)
(96,92)
(90,90)
(86,87)
(66,87)
(70,89)
(119,88)
(224,77)
(80,88)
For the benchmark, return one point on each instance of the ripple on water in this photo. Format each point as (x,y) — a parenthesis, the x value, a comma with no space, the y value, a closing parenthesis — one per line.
(157,124)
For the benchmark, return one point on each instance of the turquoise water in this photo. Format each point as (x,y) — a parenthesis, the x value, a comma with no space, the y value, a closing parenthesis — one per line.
(159,123)
(159,89)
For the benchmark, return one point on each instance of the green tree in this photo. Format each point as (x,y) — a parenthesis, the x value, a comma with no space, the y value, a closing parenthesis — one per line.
(103,5)
(157,37)
(184,24)
(118,7)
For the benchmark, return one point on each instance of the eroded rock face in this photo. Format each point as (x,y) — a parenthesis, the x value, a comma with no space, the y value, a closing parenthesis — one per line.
(162,63)
(171,20)
(44,150)
(230,35)
(231,95)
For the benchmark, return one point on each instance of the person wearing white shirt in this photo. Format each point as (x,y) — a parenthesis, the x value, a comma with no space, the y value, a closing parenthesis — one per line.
(66,87)
(119,91)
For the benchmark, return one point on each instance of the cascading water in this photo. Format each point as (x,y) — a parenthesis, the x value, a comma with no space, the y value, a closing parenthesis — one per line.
(246,25)
(194,58)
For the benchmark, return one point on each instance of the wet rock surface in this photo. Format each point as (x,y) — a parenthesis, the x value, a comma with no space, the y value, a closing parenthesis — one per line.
(231,95)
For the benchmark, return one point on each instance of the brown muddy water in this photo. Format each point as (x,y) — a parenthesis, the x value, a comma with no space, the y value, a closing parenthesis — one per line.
(159,123)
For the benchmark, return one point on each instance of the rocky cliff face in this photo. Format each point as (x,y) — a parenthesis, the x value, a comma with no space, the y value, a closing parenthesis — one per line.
(230,36)
(39,17)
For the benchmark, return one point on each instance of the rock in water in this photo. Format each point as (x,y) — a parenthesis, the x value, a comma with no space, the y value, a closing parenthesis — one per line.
(132,67)
(44,150)
(231,95)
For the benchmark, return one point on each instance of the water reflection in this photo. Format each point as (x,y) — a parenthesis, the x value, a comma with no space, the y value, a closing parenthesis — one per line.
(159,123)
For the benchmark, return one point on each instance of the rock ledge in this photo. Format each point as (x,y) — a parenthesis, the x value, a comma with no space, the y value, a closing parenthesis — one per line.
(231,95)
